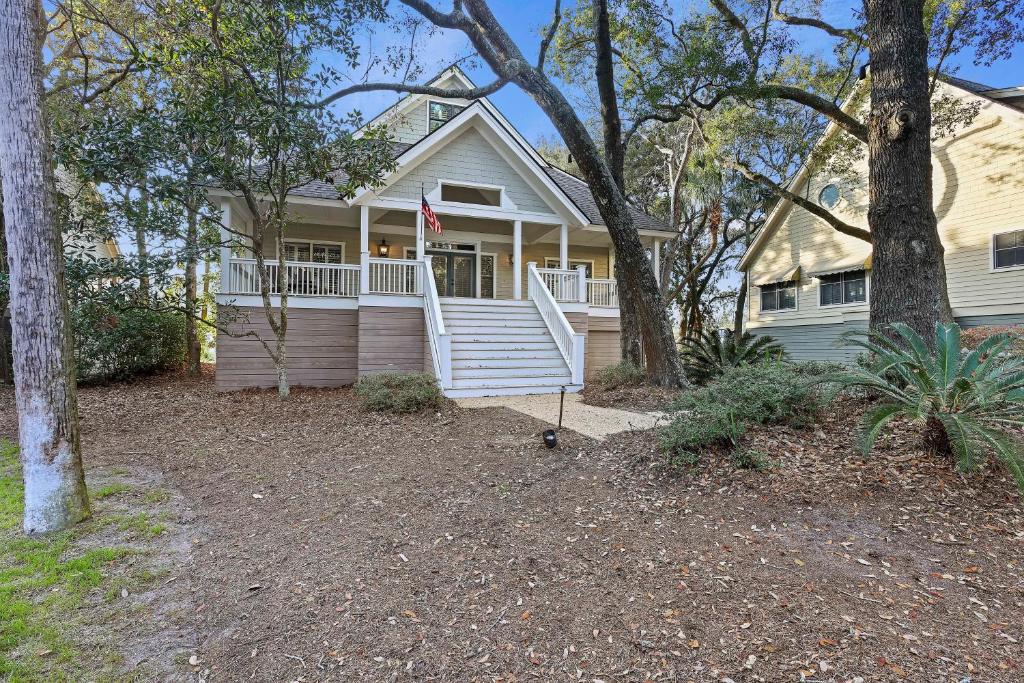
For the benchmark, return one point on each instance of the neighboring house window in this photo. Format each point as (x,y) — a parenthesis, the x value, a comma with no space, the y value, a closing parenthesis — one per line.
(550,262)
(1008,249)
(315,252)
(778,296)
(829,196)
(850,287)
(441,112)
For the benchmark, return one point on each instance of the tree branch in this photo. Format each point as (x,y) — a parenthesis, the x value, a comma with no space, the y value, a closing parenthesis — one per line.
(802,202)
(842,33)
(451,93)
(550,35)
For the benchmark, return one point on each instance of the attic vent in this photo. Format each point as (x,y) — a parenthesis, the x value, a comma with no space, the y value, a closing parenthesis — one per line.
(466,194)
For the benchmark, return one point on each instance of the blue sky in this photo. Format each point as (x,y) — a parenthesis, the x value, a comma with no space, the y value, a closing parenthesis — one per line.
(524,19)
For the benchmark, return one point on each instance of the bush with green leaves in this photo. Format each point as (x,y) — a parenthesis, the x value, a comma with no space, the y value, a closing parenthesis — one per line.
(621,374)
(395,392)
(708,355)
(719,414)
(116,344)
(967,402)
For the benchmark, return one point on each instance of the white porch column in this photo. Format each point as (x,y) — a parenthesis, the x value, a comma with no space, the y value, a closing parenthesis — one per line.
(563,248)
(656,261)
(581,284)
(517,260)
(225,246)
(420,239)
(364,249)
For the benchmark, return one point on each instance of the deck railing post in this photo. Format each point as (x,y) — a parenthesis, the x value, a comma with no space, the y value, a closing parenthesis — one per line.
(581,283)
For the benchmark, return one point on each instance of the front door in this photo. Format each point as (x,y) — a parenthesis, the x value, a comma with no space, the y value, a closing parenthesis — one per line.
(454,273)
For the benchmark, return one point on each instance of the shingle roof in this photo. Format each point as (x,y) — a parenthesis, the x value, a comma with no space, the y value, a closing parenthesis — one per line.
(321,189)
(579,192)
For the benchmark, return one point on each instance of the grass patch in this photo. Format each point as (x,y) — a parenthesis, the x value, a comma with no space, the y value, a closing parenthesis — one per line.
(42,580)
(110,490)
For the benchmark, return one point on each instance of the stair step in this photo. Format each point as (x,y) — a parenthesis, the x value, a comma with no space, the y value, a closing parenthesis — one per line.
(501,375)
(509,382)
(491,315)
(461,345)
(508,391)
(553,361)
(501,338)
(476,331)
(476,304)
(505,352)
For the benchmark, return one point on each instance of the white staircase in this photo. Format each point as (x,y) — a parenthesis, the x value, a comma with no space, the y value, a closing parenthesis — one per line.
(502,348)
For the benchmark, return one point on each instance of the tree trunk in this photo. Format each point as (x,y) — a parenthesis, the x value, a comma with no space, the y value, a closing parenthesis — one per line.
(192,347)
(741,303)
(140,237)
(45,393)
(907,261)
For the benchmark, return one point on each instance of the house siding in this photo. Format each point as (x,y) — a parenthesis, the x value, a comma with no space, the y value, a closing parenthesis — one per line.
(603,344)
(978,189)
(322,349)
(391,339)
(469,157)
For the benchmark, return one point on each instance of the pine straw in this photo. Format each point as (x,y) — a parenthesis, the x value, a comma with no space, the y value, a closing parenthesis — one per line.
(338,545)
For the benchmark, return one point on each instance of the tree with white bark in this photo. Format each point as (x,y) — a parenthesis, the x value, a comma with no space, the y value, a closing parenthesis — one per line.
(45,393)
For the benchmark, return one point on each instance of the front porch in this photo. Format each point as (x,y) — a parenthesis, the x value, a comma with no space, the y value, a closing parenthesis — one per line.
(473,258)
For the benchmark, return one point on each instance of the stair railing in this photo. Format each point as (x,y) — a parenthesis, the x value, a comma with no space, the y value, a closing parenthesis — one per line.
(569,342)
(440,341)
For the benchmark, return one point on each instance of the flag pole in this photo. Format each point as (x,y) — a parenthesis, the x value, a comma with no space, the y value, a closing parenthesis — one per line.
(420,246)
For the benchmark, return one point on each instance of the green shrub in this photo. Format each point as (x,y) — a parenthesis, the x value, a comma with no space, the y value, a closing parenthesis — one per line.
(707,356)
(113,344)
(720,413)
(622,374)
(966,402)
(393,392)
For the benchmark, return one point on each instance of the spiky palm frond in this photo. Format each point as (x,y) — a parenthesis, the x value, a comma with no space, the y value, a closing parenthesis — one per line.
(708,355)
(971,397)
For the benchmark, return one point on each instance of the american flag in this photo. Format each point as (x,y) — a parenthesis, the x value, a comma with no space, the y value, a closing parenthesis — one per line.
(429,214)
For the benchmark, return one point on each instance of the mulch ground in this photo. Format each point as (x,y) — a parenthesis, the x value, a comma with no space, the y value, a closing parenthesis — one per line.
(331,544)
(638,399)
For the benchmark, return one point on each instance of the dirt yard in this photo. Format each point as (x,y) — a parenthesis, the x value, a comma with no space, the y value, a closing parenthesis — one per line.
(330,544)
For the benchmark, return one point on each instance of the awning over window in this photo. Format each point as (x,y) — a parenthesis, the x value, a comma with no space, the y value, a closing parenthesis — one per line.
(791,275)
(843,266)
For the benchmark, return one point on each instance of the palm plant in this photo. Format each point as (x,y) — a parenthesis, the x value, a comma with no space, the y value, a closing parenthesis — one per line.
(709,354)
(966,402)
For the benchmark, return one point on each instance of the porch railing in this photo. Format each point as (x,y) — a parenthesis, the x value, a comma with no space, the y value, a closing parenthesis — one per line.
(569,342)
(395,276)
(440,340)
(304,279)
(564,285)
(603,293)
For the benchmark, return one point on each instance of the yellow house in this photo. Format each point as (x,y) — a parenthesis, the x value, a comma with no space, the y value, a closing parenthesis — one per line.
(808,283)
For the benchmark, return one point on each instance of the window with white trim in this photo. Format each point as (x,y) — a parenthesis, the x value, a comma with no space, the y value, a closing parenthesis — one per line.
(778,296)
(1008,249)
(441,113)
(849,287)
(313,252)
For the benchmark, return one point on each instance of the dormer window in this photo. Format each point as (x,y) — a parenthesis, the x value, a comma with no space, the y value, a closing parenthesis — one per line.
(441,113)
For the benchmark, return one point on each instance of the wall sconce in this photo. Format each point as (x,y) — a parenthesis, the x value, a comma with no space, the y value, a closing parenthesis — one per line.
(383,249)
(511,260)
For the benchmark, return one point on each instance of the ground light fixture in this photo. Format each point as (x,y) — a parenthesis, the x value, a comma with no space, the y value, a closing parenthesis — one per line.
(550,435)
(383,249)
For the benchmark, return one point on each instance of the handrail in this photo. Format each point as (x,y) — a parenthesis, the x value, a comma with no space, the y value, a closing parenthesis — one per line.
(569,342)
(603,292)
(394,276)
(305,278)
(440,341)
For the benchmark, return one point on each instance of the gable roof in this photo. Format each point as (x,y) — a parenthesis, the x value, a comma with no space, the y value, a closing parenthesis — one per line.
(784,206)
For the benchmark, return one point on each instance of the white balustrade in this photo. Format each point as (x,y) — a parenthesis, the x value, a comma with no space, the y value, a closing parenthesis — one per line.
(440,340)
(302,278)
(603,293)
(395,276)
(563,284)
(569,342)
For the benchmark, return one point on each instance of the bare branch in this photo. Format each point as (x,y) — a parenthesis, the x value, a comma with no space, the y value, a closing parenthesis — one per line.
(453,93)
(550,35)
(733,20)
(842,33)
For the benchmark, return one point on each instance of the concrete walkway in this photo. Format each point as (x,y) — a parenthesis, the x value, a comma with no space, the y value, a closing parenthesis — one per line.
(593,421)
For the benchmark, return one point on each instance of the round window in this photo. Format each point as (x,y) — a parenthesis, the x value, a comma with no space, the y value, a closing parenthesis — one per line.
(829,196)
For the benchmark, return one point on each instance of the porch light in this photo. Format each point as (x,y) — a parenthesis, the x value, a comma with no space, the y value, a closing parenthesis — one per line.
(383,249)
